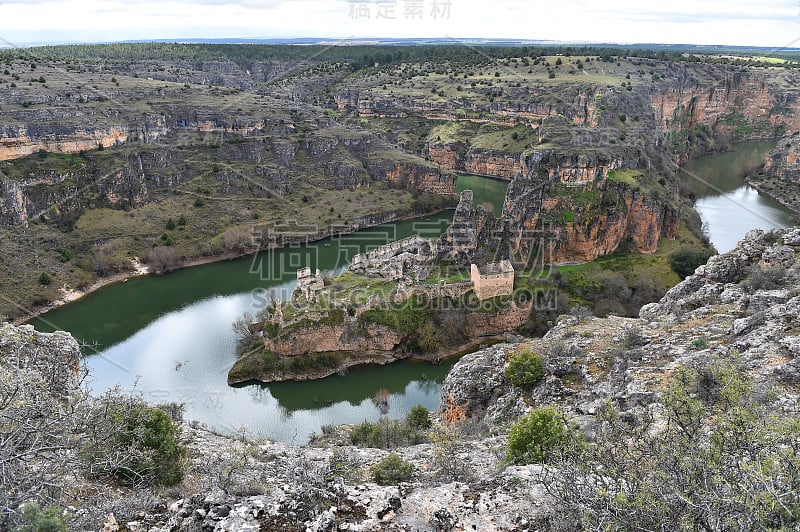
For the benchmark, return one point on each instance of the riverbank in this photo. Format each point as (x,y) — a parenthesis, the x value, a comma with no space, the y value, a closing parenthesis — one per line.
(71,295)
(138,269)
(792,202)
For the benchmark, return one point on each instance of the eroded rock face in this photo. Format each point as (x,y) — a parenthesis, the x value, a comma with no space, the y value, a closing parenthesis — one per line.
(587,221)
(55,356)
(348,336)
(474,236)
(476,387)
(739,106)
(784,161)
(417,176)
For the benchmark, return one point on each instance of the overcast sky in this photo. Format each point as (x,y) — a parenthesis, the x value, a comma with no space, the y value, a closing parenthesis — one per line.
(774,23)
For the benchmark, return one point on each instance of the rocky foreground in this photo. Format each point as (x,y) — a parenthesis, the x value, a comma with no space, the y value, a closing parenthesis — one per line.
(743,306)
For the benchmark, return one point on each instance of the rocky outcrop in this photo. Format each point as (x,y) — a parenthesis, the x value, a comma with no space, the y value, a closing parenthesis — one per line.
(420,175)
(586,220)
(784,161)
(565,214)
(54,193)
(21,142)
(51,130)
(495,164)
(54,357)
(743,304)
(474,236)
(287,488)
(346,337)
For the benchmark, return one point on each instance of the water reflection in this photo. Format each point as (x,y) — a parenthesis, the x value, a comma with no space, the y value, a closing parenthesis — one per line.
(170,338)
(729,208)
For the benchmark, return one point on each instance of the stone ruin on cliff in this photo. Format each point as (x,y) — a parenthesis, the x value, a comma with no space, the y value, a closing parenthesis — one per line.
(396,260)
(492,280)
(309,285)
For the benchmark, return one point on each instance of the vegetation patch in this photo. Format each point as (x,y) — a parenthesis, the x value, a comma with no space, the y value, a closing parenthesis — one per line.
(405,317)
(534,437)
(629,176)
(392,470)
(524,369)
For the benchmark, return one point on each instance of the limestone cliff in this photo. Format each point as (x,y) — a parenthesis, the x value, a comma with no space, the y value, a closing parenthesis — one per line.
(127,176)
(415,175)
(586,222)
(736,105)
(57,193)
(784,161)
(474,236)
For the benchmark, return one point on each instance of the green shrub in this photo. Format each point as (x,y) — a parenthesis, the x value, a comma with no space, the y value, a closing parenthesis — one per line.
(700,343)
(48,520)
(534,436)
(44,279)
(360,433)
(392,470)
(134,444)
(386,434)
(418,418)
(524,369)
(342,465)
(170,225)
(429,338)
(685,261)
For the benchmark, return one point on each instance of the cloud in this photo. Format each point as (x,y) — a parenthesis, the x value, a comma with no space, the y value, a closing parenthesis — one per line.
(678,21)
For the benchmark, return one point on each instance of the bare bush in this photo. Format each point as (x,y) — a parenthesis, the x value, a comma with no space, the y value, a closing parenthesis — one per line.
(163,259)
(243,328)
(238,240)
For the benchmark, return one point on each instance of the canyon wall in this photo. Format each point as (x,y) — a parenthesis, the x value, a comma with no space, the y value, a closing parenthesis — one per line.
(56,130)
(784,161)
(420,176)
(592,220)
(56,193)
(781,176)
(737,106)
(567,210)
(126,176)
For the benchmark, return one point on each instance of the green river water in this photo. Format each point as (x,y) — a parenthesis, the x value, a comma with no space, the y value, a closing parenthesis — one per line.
(729,207)
(169,338)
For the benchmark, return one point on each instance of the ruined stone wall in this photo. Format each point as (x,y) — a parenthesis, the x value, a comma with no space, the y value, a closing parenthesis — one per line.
(391,261)
(432,291)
